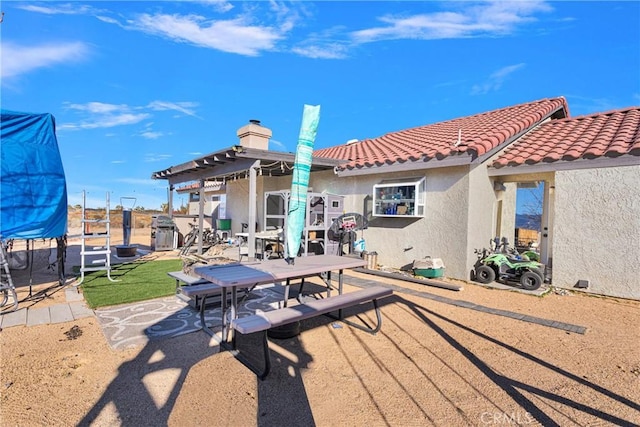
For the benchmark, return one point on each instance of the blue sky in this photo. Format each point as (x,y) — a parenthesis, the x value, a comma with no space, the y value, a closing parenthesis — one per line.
(136,87)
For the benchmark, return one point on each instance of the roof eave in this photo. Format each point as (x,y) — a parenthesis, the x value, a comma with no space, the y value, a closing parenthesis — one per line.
(565,165)
(258,154)
(462,159)
(231,160)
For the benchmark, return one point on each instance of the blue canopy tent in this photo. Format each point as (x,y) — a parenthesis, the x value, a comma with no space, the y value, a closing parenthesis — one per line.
(33,191)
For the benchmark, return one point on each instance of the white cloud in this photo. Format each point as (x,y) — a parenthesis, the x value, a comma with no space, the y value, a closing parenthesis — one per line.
(472,20)
(183,107)
(19,59)
(99,107)
(151,134)
(329,43)
(495,80)
(218,5)
(278,144)
(103,115)
(154,157)
(322,51)
(138,181)
(58,9)
(502,73)
(107,19)
(238,35)
(464,20)
(233,36)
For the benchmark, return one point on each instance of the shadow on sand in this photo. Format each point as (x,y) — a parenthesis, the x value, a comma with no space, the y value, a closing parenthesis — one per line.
(129,393)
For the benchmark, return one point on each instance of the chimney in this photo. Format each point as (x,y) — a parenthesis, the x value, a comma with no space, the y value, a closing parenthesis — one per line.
(254,135)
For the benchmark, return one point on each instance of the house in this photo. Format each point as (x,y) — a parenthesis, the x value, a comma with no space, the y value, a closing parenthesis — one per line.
(246,171)
(593,214)
(214,198)
(590,167)
(446,189)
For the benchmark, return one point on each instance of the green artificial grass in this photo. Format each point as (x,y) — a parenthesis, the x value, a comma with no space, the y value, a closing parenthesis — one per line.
(137,281)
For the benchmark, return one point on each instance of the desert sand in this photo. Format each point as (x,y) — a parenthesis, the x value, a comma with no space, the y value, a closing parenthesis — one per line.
(431,364)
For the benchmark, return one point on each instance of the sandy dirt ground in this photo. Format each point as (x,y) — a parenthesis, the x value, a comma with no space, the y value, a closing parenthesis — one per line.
(431,364)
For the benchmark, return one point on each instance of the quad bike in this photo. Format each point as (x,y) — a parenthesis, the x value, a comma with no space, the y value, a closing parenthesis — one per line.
(508,267)
(502,246)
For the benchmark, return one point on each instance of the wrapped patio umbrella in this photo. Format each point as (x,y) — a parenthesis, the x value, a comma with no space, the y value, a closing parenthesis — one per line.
(300,181)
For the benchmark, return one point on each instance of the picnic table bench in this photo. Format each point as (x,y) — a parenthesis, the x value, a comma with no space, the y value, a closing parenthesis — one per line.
(182,277)
(238,276)
(196,290)
(262,322)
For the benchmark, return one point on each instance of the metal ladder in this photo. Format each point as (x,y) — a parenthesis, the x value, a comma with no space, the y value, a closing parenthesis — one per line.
(88,251)
(7,289)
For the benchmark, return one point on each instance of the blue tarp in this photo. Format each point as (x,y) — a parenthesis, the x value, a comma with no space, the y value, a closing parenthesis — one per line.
(33,190)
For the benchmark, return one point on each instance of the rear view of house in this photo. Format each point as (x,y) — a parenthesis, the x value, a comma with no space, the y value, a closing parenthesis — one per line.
(471,166)
(592,210)
(446,189)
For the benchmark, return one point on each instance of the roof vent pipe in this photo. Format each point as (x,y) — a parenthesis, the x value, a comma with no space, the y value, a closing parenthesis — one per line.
(459,138)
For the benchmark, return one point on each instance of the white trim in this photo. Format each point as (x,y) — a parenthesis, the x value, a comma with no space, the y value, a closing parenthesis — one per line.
(562,165)
(545,225)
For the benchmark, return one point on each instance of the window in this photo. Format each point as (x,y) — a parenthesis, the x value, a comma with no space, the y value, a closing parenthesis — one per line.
(399,198)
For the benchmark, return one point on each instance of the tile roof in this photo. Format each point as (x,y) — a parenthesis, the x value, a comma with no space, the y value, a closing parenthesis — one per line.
(208,186)
(609,134)
(473,135)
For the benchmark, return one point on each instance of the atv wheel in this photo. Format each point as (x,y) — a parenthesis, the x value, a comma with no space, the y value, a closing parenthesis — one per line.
(530,280)
(485,274)
(539,271)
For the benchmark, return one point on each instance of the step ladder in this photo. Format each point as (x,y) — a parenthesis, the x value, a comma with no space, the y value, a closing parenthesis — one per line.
(7,289)
(88,250)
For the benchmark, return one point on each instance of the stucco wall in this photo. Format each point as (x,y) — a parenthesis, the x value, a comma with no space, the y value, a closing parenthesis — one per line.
(482,213)
(238,202)
(597,230)
(209,207)
(238,199)
(460,214)
(442,233)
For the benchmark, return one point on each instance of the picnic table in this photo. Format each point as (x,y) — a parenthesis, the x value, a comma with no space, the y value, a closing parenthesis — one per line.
(238,276)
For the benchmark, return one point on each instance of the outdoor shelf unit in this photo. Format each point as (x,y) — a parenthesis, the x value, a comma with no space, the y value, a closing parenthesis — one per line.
(400,198)
(88,251)
(321,210)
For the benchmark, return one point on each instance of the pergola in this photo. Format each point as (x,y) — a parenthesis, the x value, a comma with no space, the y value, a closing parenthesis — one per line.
(232,162)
